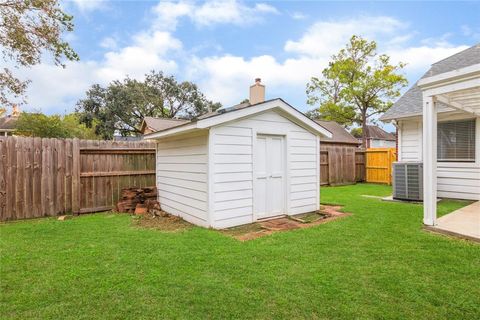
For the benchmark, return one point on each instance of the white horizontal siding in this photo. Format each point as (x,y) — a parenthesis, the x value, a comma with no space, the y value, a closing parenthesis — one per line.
(454,180)
(182,177)
(377,143)
(410,140)
(232,175)
(232,189)
(303,183)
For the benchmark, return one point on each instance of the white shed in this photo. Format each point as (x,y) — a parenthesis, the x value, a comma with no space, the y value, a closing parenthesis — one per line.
(240,164)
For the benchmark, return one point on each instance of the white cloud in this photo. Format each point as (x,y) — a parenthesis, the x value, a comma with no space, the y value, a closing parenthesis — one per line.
(210,13)
(298,15)
(54,89)
(109,43)
(327,37)
(419,58)
(473,33)
(149,52)
(53,86)
(226,78)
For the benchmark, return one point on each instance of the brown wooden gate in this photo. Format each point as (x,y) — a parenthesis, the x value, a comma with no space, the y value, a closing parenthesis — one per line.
(338,164)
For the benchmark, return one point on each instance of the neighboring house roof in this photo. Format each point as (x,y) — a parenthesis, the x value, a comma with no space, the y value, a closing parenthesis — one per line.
(8,123)
(377,133)
(410,104)
(240,111)
(159,124)
(339,134)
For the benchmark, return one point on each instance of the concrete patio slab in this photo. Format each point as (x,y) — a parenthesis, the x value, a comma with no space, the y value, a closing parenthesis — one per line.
(464,222)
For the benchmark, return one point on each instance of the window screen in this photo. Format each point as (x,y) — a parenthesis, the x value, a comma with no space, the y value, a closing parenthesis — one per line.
(456,141)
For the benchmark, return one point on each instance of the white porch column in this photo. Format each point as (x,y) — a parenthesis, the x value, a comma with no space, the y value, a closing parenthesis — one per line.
(429,160)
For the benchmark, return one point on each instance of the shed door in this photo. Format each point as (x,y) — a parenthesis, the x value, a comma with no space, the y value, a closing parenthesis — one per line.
(269,176)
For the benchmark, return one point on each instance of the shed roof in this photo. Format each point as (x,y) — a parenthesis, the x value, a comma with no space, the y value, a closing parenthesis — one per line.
(8,123)
(410,103)
(239,111)
(339,134)
(224,110)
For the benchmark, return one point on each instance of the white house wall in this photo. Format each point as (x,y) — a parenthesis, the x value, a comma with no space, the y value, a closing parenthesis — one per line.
(181,174)
(410,140)
(231,152)
(454,179)
(376,143)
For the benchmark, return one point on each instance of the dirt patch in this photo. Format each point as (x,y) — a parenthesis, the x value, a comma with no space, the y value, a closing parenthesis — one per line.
(305,220)
(163,222)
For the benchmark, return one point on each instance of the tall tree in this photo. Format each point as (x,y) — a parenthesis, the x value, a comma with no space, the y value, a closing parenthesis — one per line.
(122,105)
(357,84)
(28,29)
(55,126)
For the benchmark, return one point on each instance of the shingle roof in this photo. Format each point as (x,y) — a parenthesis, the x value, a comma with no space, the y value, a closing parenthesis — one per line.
(240,107)
(374,132)
(410,104)
(459,60)
(8,123)
(224,110)
(339,134)
(158,124)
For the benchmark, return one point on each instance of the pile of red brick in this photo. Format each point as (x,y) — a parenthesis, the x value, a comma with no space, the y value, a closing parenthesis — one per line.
(138,200)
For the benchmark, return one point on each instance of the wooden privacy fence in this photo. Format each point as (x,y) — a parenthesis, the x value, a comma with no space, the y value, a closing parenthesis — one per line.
(47,177)
(341,164)
(378,165)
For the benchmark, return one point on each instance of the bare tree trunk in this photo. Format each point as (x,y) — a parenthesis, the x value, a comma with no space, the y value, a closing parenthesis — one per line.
(364,129)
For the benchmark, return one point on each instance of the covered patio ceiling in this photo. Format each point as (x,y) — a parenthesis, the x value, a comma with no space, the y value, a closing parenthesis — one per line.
(459,89)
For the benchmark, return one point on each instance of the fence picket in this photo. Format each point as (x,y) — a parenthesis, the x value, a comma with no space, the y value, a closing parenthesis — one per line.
(37,178)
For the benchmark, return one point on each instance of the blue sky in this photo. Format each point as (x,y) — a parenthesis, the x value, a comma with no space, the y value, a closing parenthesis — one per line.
(223,45)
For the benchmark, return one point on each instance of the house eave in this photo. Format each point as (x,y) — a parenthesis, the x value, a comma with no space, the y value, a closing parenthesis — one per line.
(462,74)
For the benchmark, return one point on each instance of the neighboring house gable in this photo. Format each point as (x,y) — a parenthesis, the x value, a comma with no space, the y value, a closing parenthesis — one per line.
(339,134)
(152,124)
(8,125)
(376,137)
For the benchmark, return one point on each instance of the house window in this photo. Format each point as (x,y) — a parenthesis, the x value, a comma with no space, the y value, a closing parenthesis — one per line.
(456,141)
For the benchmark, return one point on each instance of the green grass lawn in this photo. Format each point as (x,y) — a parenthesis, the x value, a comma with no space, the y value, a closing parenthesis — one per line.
(376,263)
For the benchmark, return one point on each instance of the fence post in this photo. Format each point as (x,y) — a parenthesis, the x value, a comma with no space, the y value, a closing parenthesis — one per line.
(76,176)
(3,180)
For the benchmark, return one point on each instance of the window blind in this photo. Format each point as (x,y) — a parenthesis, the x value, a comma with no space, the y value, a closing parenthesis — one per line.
(456,141)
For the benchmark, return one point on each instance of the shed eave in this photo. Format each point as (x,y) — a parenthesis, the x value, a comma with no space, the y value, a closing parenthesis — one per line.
(191,126)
